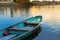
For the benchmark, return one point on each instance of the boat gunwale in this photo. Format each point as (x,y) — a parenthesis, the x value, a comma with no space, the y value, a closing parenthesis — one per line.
(21,22)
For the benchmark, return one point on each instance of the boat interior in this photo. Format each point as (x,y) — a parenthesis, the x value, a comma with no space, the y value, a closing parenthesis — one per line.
(20,28)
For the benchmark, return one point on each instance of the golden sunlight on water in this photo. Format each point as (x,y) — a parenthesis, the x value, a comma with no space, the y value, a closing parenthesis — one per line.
(49,13)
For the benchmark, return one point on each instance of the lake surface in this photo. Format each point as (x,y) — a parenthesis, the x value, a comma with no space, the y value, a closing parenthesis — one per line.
(50,23)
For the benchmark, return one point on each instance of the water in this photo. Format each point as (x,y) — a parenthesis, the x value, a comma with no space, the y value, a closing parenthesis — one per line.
(50,23)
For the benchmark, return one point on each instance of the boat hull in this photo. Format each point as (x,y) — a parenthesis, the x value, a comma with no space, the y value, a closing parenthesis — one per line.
(29,34)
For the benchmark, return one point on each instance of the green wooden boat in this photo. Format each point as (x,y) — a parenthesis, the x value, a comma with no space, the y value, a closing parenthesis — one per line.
(22,30)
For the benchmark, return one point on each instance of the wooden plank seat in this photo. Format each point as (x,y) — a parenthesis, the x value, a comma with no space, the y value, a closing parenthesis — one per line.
(31,23)
(27,28)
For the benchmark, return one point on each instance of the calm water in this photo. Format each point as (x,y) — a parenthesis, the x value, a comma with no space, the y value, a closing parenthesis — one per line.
(50,23)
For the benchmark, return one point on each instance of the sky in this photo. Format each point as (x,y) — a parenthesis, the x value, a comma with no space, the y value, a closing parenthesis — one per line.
(46,0)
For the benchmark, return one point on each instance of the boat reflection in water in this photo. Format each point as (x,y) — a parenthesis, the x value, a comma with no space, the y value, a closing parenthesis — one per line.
(31,37)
